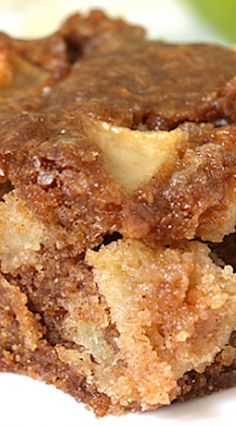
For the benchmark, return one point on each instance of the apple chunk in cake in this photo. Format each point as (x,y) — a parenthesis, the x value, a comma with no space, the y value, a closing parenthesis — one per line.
(118,214)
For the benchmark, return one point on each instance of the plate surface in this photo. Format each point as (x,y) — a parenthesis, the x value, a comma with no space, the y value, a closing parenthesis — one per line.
(24,402)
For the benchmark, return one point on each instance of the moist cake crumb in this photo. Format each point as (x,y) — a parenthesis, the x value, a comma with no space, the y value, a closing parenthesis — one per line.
(118,214)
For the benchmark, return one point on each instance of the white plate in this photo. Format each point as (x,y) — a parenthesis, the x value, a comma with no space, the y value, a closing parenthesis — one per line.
(24,402)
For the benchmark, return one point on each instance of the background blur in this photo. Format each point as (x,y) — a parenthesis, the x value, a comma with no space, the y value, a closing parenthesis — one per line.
(178,20)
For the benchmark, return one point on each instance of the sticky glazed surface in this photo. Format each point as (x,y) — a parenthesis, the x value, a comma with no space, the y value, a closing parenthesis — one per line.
(117,214)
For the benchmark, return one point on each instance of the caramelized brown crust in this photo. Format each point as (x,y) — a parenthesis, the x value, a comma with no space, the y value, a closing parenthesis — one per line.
(172,84)
(65,204)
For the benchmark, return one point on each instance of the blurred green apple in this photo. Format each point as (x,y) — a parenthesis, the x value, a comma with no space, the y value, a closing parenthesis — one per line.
(221,14)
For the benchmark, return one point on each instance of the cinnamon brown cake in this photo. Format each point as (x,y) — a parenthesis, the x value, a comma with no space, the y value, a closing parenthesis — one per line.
(117,214)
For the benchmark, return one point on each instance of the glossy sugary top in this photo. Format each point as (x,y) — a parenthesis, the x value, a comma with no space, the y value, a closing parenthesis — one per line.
(151,83)
(109,69)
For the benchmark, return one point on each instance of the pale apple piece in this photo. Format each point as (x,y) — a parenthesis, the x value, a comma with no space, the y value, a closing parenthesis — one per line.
(133,157)
(20,233)
(87,334)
